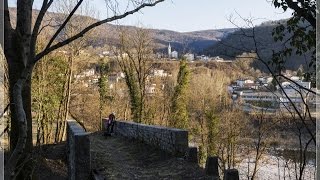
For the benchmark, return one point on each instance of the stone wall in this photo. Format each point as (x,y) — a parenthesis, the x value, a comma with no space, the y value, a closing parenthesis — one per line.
(172,140)
(78,152)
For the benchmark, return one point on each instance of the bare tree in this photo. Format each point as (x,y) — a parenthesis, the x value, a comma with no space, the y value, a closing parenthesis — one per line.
(135,60)
(84,16)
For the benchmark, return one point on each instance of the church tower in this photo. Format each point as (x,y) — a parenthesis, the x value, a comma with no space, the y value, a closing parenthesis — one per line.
(169,51)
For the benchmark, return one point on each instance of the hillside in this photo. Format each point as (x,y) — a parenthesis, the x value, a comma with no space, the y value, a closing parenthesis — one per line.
(239,41)
(107,34)
(226,43)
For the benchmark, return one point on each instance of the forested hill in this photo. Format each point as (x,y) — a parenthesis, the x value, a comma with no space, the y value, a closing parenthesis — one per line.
(239,41)
(194,42)
(107,34)
(226,43)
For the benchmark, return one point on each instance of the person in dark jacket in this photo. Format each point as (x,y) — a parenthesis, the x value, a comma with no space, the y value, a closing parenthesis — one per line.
(110,124)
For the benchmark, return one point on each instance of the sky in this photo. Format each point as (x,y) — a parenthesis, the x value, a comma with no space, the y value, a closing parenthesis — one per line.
(193,15)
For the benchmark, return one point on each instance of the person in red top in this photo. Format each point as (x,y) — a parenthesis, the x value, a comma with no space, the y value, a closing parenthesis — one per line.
(110,123)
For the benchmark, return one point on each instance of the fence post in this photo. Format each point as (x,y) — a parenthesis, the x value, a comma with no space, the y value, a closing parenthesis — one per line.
(212,167)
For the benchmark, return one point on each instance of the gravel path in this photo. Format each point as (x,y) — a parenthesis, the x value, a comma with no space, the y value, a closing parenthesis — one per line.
(120,158)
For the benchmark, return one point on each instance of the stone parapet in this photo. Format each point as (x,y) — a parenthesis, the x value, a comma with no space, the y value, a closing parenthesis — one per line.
(174,141)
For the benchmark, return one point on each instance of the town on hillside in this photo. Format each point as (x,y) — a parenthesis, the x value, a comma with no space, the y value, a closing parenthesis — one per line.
(261,94)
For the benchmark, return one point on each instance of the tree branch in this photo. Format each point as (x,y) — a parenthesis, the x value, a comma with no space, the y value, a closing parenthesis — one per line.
(301,87)
(48,49)
(64,24)
(7,15)
(5,110)
(8,30)
(36,27)
(302,12)
(5,130)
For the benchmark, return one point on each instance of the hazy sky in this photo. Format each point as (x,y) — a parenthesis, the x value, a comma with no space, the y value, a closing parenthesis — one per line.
(192,15)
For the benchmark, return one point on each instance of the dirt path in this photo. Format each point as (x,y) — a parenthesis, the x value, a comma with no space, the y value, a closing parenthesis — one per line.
(120,158)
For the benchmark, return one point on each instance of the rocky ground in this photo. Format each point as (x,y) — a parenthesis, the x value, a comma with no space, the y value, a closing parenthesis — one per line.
(119,158)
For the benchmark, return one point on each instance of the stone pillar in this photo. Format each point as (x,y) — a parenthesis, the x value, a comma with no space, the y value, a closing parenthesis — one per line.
(78,149)
(193,155)
(231,174)
(82,156)
(181,142)
(212,166)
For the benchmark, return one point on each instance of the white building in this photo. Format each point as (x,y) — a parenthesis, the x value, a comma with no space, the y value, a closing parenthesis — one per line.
(296,94)
(94,80)
(293,86)
(121,75)
(159,73)
(203,58)
(295,78)
(260,96)
(265,80)
(151,89)
(89,72)
(86,73)
(242,82)
(174,54)
(189,56)
(248,81)
(106,53)
(115,77)
(217,58)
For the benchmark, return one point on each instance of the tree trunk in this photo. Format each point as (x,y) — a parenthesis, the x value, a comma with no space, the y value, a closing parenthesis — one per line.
(19,53)
(15,71)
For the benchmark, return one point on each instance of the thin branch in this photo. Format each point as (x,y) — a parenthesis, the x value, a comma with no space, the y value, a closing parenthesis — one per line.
(274,75)
(301,87)
(46,25)
(7,23)
(36,27)
(286,95)
(84,31)
(8,30)
(4,131)
(5,110)
(63,24)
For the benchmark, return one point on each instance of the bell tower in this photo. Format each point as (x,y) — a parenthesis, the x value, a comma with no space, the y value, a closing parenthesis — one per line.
(169,51)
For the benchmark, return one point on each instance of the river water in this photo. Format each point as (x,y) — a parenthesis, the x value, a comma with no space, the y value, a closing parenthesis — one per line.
(279,164)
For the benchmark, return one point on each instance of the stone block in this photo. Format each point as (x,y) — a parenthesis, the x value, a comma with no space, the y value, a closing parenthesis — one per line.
(212,166)
(193,155)
(231,174)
